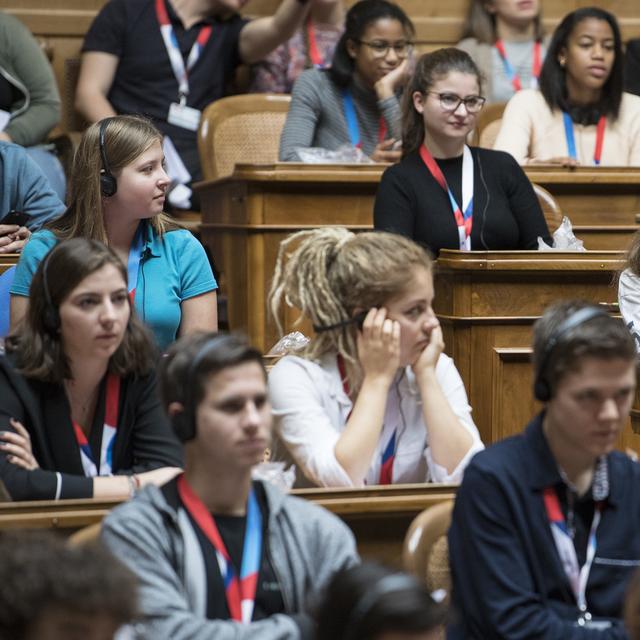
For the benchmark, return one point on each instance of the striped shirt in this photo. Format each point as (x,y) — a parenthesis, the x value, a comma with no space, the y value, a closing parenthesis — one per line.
(316,116)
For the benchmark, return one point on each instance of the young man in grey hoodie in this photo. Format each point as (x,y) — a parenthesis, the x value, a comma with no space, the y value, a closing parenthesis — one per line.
(219,555)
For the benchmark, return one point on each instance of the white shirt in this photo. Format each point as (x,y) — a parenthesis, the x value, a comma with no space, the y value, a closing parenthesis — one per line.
(311,409)
(629,301)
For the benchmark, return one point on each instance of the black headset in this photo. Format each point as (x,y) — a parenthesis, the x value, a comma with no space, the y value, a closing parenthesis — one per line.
(541,388)
(184,422)
(51,317)
(370,599)
(108,182)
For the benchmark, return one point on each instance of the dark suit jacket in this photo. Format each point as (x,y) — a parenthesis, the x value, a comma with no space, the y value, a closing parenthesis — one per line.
(144,438)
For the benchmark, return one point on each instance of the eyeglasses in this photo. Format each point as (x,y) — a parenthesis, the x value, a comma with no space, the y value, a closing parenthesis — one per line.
(451,101)
(381,48)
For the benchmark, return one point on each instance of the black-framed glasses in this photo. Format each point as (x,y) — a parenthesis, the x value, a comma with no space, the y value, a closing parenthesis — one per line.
(451,101)
(381,48)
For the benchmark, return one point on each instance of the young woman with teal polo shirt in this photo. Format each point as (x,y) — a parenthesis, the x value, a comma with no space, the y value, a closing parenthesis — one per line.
(117,193)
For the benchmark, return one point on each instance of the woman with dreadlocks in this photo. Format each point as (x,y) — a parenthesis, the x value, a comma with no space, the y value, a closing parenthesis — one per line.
(372,399)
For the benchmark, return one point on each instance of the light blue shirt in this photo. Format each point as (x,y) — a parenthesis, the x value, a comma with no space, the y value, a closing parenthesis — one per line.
(173,268)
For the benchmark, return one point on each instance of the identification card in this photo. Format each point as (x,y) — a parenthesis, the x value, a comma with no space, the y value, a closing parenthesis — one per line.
(184,116)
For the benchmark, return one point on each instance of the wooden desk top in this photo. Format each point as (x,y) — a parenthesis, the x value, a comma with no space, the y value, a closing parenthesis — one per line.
(371,502)
(367,173)
(530,260)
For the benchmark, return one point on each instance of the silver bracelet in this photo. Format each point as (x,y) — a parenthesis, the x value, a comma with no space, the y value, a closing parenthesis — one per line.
(134,485)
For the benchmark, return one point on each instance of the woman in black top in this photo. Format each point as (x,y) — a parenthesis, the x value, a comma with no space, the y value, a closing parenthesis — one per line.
(444,194)
(79,412)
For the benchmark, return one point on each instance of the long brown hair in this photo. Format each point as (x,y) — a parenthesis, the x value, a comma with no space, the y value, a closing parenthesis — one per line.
(125,139)
(429,69)
(481,23)
(39,351)
(332,273)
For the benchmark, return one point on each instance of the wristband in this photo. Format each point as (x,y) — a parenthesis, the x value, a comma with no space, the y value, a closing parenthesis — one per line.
(134,485)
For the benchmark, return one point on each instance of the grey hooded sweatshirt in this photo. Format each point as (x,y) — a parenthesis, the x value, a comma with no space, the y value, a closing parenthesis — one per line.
(306,545)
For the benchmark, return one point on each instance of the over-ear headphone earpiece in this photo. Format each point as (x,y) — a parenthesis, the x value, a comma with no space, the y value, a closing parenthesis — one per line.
(51,317)
(371,599)
(108,182)
(541,388)
(184,422)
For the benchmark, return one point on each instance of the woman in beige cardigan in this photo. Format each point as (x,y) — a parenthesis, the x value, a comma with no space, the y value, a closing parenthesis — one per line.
(580,115)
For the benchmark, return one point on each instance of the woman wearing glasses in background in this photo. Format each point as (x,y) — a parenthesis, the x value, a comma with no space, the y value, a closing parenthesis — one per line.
(444,194)
(354,102)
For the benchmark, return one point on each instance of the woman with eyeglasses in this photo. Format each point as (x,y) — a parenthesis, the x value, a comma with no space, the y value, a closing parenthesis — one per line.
(580,115)
(444,194)
(355,101)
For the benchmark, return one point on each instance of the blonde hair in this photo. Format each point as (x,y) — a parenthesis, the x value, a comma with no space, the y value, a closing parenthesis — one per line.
(125,139)
(332,274)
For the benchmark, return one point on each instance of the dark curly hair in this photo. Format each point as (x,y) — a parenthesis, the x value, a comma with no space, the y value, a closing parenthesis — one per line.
(39,573)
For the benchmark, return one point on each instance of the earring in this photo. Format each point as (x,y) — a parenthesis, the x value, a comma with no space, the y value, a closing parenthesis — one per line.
(562,62)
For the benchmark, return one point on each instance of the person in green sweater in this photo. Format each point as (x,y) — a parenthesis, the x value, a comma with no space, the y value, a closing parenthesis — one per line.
(29,98)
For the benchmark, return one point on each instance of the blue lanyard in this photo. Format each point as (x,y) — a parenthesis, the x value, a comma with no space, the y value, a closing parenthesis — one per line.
(571,142)
(239,590)
(568,133)
(351,118)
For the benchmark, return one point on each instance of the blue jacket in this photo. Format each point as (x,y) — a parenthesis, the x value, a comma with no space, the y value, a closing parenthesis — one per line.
(508,582)
(23,187)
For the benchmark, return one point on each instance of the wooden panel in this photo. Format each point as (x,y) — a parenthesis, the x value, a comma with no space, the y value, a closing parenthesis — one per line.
(490,303)
(8,260)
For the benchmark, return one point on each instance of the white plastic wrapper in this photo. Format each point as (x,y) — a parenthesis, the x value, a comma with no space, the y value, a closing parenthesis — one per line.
(292,342)
(275,473)
(563,239)
(346,154)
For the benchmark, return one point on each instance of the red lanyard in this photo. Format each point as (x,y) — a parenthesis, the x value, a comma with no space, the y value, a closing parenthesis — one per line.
(511,72)
(571,142)
(388,456)
(464,221)
(577,576)
(112,400)
(352,121)
(173,51)
(314,53)
(240,593)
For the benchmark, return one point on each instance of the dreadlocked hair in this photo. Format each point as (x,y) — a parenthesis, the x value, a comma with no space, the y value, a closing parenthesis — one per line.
(331,274)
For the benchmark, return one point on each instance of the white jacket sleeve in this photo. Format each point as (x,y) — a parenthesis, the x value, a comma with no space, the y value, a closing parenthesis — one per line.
(308,411)
(455,393)
(629,301)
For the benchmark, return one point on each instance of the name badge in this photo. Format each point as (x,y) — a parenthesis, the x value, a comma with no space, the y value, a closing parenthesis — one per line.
(600,625)
(183,116)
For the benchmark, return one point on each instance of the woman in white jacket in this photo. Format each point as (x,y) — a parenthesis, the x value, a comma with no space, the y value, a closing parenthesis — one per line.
(372,399)
(629,289)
